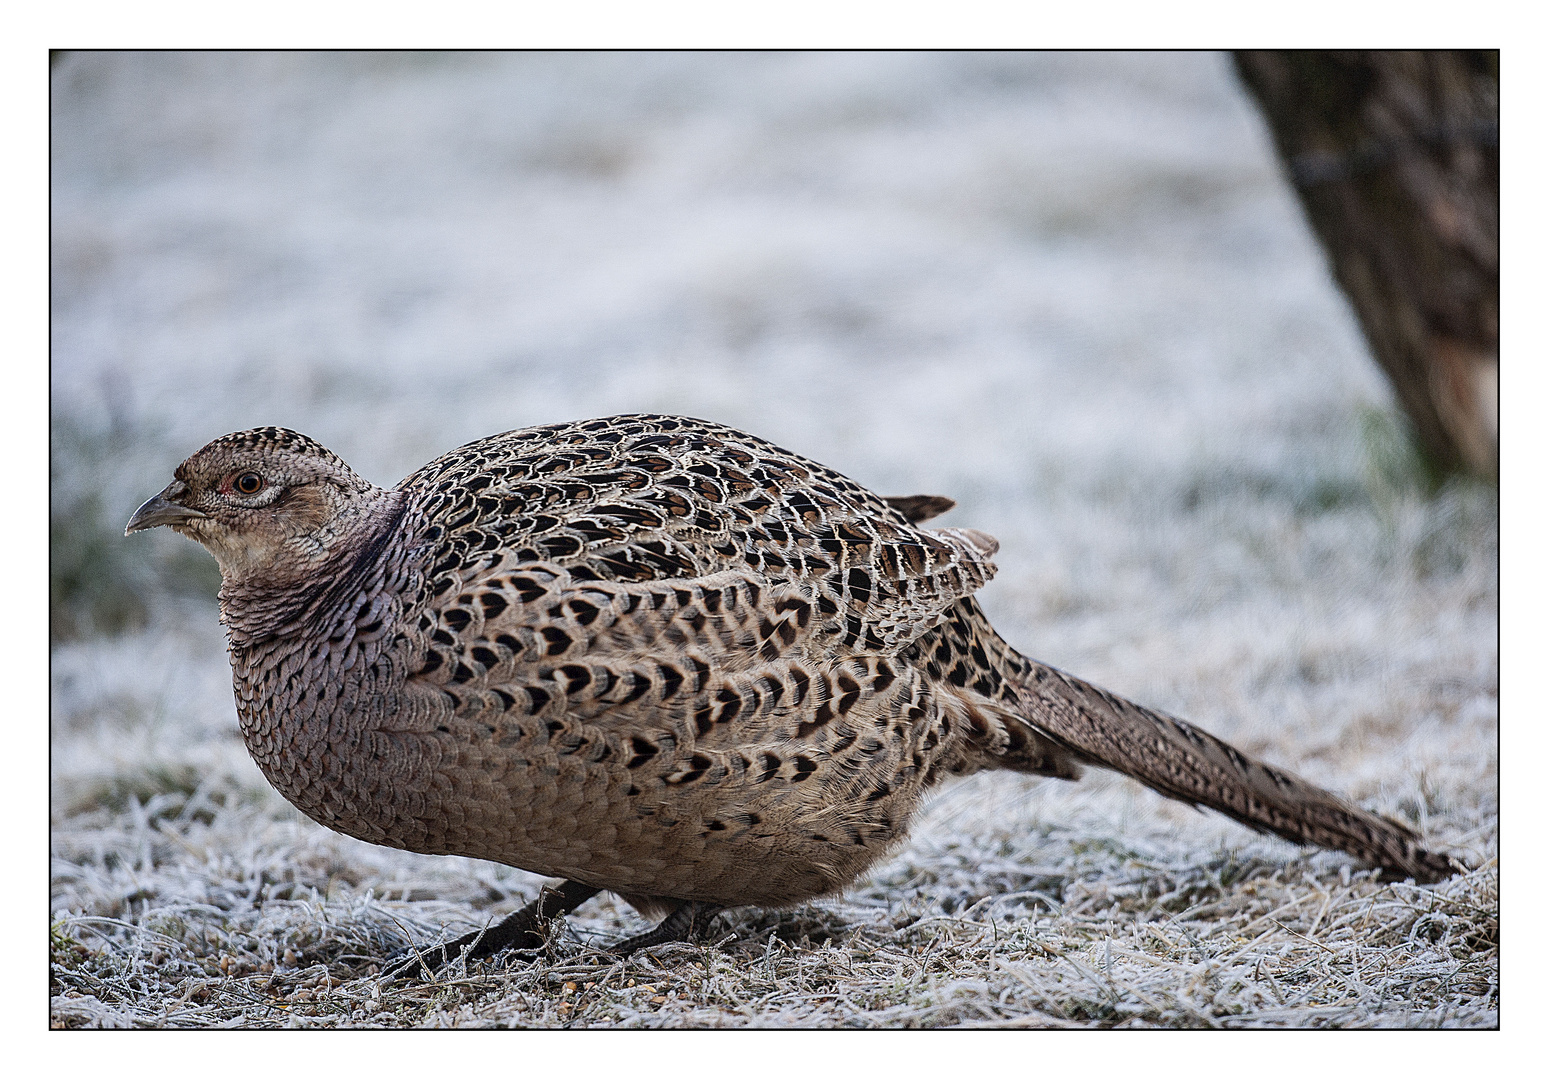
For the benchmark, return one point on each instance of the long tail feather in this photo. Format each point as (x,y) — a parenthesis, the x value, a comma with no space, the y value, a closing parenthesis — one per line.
(1182,762)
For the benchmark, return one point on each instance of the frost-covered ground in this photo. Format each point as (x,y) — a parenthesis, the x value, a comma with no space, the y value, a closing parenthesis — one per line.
(1069,291)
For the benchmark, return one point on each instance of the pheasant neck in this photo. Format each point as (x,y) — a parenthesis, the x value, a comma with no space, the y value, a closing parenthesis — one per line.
(313,597)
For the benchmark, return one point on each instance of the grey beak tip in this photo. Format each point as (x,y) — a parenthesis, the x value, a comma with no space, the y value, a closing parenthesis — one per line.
(158,510)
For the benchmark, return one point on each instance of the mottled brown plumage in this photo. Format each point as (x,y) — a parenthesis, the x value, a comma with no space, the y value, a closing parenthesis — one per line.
(656,656)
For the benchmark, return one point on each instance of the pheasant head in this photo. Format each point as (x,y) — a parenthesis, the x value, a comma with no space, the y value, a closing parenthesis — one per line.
(270,504)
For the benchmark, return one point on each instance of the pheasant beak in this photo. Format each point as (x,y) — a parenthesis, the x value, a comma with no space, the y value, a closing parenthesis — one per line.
(163,510)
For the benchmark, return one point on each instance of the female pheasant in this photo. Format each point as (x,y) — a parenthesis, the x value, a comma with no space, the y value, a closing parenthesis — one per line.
(652,655)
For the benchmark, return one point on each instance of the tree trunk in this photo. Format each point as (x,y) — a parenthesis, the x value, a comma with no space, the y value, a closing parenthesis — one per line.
(1395,157)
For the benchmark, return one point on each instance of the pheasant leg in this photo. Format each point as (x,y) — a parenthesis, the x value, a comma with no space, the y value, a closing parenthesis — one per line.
(521,932)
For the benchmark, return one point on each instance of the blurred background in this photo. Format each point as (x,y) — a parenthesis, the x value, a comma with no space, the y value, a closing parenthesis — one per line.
(1071,291)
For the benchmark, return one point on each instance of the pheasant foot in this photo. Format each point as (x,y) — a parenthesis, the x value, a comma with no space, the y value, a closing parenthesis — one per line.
(521,932)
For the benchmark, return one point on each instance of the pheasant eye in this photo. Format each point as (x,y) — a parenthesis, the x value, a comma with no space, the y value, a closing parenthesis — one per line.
(249,483)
